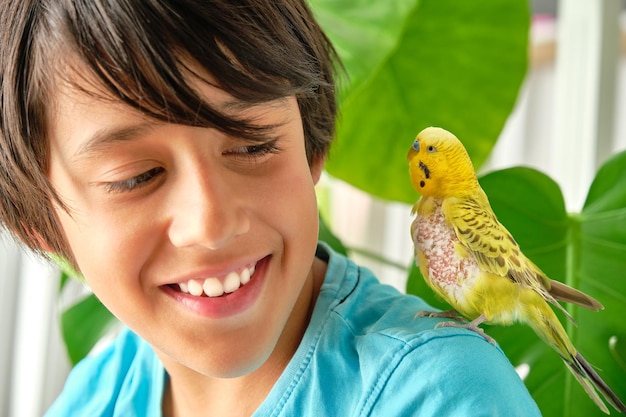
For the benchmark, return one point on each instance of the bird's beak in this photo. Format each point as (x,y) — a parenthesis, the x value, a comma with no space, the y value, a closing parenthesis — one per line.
(413,150)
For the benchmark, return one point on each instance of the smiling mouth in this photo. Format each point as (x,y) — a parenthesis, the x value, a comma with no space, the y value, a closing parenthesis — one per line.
(213,287)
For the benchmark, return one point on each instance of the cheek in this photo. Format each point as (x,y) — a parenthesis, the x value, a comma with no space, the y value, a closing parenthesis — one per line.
(303,232)
(106,249)
(292,199)
(289,213)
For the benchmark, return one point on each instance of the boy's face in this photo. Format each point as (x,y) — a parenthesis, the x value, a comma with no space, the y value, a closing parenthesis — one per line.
(154,207)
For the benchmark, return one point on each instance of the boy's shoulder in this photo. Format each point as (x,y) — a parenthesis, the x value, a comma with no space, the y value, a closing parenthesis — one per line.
(354,298)
(125,378)
(382,360)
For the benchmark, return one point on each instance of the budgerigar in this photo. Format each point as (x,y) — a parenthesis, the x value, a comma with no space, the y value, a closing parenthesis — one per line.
(470,259)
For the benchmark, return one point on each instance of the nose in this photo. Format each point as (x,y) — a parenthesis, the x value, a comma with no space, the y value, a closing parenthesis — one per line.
(207,211)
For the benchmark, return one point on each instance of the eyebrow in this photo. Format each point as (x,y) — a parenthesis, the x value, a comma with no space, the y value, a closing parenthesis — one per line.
(241,105)
(236,105)
(106,137)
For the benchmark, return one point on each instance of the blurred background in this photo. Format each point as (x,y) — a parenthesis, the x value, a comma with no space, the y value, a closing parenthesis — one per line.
(573,93)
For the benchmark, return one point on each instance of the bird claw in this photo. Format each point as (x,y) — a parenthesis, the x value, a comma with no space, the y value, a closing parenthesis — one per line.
(448,314)
(469,326)
(453,314)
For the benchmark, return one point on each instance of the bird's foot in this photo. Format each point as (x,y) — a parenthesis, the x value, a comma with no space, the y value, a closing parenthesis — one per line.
(448,314)
(472,325)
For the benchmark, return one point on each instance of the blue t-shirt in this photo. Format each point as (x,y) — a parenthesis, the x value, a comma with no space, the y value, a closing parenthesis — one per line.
(363,354)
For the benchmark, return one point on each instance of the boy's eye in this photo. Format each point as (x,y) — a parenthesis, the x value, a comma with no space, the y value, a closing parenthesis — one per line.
(135,182)
(254,151)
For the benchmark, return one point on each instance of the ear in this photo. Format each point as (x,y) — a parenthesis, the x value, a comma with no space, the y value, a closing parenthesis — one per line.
(317,166)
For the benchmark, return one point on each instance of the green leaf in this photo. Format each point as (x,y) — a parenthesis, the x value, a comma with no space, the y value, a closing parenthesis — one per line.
(599,264)
(458,65)
(83,325)
(608,190)
(588,252)
(363,32)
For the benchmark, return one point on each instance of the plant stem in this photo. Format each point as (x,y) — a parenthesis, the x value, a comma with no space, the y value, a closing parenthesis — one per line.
(572,266)
(376,257)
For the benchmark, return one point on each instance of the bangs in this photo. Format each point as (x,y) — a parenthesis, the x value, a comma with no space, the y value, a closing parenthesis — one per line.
(144,54)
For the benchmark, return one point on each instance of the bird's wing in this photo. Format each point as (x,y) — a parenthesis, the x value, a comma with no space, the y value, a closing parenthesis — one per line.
(497,252)
(492,245)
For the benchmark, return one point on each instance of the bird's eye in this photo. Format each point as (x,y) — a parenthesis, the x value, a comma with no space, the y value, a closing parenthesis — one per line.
(431,148)
(416,145)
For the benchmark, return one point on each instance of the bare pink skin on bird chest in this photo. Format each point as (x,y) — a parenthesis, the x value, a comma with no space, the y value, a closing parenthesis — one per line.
(446,267)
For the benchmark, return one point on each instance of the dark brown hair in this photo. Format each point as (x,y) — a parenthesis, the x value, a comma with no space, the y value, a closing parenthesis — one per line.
(140,52)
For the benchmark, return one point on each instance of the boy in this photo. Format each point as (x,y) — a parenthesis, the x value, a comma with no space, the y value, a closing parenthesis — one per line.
(169,150)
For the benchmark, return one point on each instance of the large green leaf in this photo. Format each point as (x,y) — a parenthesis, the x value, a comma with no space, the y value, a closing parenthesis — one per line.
(599,268)
(458,64)
(587,251)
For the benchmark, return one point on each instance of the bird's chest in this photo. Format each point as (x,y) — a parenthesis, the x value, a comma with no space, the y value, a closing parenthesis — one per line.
(447,267)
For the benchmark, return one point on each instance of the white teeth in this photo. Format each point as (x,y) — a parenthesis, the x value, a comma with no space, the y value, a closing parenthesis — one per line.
(213,287)
(232,282)
(245,275)
(195,288)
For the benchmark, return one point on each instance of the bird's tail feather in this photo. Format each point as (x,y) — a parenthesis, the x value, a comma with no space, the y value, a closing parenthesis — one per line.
(592,383)
(588,386)
(548,327)
(568,294)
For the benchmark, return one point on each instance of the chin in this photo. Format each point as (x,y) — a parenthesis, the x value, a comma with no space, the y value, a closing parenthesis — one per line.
(234,367)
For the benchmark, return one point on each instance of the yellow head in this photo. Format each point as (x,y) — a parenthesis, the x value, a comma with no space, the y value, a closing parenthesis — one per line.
(439,165)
